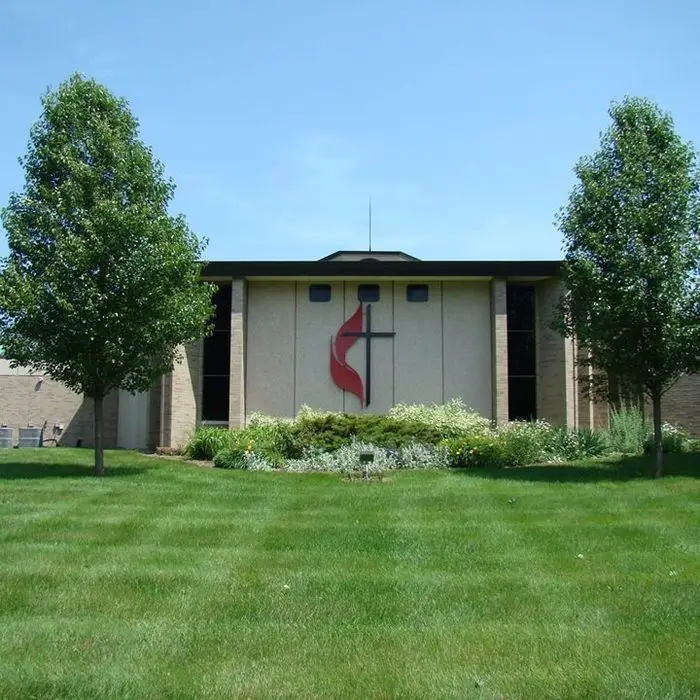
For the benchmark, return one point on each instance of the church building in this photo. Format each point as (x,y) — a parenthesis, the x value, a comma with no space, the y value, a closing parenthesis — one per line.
(356,331)
(360,331)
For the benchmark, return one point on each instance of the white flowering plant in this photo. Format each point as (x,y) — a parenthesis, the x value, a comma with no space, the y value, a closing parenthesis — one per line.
(451,419)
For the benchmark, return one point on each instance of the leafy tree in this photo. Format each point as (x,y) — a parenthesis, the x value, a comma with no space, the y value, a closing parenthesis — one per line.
(632,255)
(101,284)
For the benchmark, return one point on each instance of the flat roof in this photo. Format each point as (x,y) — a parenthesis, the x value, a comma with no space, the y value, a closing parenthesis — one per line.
(384,268)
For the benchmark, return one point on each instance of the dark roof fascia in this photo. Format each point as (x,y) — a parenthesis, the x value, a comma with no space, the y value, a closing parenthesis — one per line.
(384,268)
(369,254)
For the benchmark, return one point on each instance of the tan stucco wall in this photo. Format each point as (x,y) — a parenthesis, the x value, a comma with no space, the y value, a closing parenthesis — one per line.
(313,337)
(467,332)
(270,376)
(420,346)
(442,348)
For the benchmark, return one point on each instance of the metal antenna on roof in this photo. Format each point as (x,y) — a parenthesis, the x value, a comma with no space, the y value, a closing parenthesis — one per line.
(370,223)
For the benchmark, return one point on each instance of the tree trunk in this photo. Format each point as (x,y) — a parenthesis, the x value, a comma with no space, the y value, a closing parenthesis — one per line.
(99,441)
(658,441)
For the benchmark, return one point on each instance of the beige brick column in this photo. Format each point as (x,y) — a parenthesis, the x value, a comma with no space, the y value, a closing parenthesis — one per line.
(181,393)
(239,310)
(499,352)
(556,381)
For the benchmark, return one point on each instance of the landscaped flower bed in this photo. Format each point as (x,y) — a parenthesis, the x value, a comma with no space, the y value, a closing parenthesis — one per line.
(414,437)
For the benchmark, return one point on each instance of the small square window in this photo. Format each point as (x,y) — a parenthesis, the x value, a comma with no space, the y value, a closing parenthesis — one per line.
(319,292)
(368,292)
(416,292)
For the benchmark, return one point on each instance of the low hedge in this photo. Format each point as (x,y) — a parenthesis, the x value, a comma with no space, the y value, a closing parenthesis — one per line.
(329,432)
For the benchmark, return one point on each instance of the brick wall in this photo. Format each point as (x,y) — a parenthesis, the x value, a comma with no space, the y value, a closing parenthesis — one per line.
(237,389)
(681,403)
(29,399)
(181,407)
(499,351)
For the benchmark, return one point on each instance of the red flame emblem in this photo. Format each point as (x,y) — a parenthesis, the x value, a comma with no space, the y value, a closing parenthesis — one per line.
(344,376)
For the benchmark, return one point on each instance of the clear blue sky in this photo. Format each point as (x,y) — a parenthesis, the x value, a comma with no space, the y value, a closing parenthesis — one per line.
(276,118)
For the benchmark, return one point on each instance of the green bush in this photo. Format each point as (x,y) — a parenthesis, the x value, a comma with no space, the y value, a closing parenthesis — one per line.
(273,440)
(569,445)
(207,441)
(673,439)
(524,442)
(331,431)
(476,450)
(238,459)
(229,459)
(627,432)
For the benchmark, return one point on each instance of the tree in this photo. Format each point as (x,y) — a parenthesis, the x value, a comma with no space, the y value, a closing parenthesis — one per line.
(632,291)
(101,283)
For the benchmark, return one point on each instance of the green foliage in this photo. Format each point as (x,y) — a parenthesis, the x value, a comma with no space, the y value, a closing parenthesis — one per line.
(102,283)
(229,459)
(570,445)
(633,254)
(331,442)
(627,432)
(451,419)
(346,459)
(273,440)
(522,443)
(207,441)
(475,450)
(237,458)
(673,440)
(330,431)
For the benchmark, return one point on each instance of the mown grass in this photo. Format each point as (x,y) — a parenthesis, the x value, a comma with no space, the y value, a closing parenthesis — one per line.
(166,580)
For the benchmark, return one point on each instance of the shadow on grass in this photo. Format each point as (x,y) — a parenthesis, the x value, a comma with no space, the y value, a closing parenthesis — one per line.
(621,469)
(43,470)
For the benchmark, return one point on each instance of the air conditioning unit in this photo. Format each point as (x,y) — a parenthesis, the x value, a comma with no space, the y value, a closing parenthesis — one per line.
(30,437)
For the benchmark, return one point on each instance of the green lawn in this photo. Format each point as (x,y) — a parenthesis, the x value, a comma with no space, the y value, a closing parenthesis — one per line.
(167,580)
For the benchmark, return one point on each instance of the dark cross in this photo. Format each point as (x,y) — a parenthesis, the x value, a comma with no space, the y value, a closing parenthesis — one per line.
(367,334)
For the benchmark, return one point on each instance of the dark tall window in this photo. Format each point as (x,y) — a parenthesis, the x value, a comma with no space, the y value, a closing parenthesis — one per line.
(522,361)
(217,360)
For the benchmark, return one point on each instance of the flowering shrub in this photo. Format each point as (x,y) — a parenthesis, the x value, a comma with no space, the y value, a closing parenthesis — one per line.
(451,419)
(411,437)
(673,439)
(261,420)
(524,442)
(475,451)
